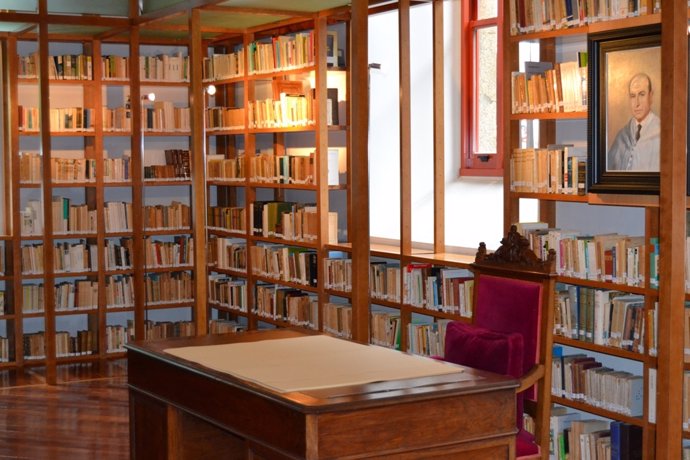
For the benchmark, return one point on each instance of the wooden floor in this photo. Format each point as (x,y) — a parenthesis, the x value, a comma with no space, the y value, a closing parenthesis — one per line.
(85,416)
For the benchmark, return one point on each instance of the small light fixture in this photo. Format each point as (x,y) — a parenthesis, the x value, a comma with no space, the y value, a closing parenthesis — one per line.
(211,90)
(149,97)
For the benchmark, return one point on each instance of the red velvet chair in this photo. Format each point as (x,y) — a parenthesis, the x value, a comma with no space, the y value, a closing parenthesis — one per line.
(511,331)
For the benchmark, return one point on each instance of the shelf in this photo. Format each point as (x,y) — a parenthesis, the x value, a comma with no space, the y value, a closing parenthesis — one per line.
(619,352)
(605,285)
(119,309)
(227,183)
(74,184)
(310,187)
(181,84)
(161,183)
(551,196)
(227,233)
(76,311)
(166,133)
(225,81)
(75,274)
(167,231)
(291,284)
(279,73)
(434,313)
(233,310)
(302,244)
(598,411)
(591,28)
(228,271)
(338,293)
(385,303)
(549,116)
(450,259)
(167,305)
(290,129)
(225,132)
(177,268)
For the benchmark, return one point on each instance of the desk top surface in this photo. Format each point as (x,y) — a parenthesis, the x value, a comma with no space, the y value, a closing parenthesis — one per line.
(463,381)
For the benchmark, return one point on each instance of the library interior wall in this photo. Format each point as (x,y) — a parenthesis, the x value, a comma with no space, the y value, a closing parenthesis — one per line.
(474,206)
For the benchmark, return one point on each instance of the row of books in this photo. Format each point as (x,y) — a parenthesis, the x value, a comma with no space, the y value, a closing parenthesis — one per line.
(68,257)
(603,317)
(285,263)
(289,111)
(385,329)
(164,329)
(224,326)
(579,377)
(225,169)
(554,169)
(118,216)
(427,338)
(227,253)
(75,257)
(222,118)
(177,166)
(176,215)
(545,87)
(280,303)
(76,295)
(4,350)
(31,218)
(60,67)
(117,119)
(71,169)
(33,300)
(2,303)
(439,289)
(338,274)
(573,437)
(119,291)
(165,117)
(535,15)
(34,345)
(117,169)
(72,219)
(227,292)
(227,218)
(164,67)
(115,67)
(384,281)
(168,287)
(337,319)
(84,342)
(222,66)
(117,336)
(289,221)
(282,169)
(32,259)
(179,252)
(610,257)
(67,119)
(118,254)
(284,52)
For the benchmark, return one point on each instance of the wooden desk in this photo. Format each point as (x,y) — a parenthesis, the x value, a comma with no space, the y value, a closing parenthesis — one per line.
(179,409)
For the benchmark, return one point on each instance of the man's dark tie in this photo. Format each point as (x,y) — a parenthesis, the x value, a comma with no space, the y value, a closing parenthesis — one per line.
(637,134)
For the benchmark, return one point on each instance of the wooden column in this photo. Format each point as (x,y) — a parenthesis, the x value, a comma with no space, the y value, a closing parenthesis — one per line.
(359,142)
(674,93)
(439,151)
(405,129)
(198,156)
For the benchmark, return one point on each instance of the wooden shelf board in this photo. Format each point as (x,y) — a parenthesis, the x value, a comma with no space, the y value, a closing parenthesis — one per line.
(224,308)
(178,268)
(590,28)
(89,311)
(605,285)
(579,405)
(549,116)
(551,196)
(228,271)
(169,305)
(308,187)
(612,351)
(446,258)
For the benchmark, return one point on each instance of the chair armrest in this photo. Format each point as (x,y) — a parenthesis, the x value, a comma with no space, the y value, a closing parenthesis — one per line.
(530,378)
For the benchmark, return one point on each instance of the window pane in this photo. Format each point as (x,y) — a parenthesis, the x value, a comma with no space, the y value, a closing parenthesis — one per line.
(487,9)
(486,90)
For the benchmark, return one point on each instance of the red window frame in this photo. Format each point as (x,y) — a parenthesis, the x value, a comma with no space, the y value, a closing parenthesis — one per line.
(473,163)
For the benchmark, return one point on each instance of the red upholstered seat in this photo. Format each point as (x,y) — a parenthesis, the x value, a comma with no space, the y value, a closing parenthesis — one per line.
(510,335)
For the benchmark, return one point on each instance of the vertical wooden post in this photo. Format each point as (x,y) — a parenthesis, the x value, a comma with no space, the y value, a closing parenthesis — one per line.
(359,142)
(198,156)
(672,198)
(439,151)
(405,129)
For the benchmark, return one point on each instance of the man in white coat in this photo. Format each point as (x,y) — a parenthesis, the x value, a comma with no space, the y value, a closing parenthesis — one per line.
(636,146)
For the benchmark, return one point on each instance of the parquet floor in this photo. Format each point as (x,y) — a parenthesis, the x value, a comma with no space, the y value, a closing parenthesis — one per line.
(85,416)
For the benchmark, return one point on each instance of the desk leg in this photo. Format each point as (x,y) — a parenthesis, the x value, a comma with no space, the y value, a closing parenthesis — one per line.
(165,432)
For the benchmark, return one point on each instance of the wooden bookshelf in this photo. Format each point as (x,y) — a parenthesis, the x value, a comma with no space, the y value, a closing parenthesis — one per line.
(664,217)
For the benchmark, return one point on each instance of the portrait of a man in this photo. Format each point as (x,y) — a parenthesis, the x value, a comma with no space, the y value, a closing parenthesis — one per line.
(636,145)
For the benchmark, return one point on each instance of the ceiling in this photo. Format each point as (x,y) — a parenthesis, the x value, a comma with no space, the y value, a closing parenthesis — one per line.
(158,19)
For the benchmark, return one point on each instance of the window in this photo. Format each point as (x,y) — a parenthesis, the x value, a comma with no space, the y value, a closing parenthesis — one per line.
(481,92)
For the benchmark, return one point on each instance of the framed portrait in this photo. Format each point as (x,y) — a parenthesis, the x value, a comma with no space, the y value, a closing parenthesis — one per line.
(332,49)
(623,125)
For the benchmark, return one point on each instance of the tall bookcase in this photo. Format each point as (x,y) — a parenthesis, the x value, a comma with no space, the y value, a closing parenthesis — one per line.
(109,241)
(657,358)
(268,137)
